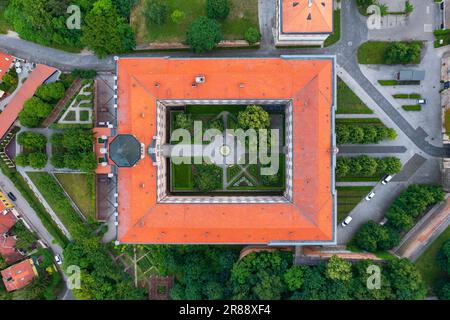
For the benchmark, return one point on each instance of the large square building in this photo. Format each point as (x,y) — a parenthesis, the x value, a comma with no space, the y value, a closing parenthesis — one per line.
(147,212)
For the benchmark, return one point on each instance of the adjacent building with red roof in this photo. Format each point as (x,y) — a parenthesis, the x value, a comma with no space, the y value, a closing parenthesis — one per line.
(305,213)
(34,80)
(5,63)
(7,220)
(19,275)
(304,22)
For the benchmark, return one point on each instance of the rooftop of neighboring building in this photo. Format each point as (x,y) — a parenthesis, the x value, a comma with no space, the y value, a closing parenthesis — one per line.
(306,16)
(19,275)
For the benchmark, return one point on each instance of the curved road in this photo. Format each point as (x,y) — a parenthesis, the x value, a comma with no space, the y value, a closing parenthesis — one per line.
(354,32)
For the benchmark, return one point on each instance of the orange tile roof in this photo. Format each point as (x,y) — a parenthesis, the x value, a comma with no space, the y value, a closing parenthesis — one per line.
(298,16)
(19,275)
(34,80)
(308,82)
(8,249)
(7,221)
(5,62)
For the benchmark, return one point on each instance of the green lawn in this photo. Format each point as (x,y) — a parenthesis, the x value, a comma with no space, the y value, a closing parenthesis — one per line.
(373,52)
(81,188)
(4,26)
(182,178)
(336,35)
(447,121)
(426,263)
(243,14)
(412,107)
(348,101)
(348,198)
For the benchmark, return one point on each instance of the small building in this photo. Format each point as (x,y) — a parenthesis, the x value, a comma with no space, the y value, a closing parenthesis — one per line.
(304,22)
(411,75)
(19,275)
(5,63)
(7,219)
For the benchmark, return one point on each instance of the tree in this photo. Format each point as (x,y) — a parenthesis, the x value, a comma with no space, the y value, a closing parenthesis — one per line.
(358,285)
(184,121)
(398,218)
(84,74)
(37,160)
(31,139)
(203,34)
(405,279)
(88,162)
(22,160)
(217,9)
(294,277)
(342,167)
(155,12)
(33,112)
(177,16)
(402,53)
(24,237)
(443,292)
(443,257)
(338,269)
(51,92)
(254,117)
(369,235)
(207,177)
(106,32)
(252,35)
(216,124)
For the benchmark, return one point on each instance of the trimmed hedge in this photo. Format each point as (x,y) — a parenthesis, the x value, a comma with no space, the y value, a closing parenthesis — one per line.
(363,134)
(365,166)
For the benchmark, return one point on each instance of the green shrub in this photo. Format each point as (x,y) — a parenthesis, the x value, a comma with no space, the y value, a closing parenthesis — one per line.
(203,34)
(252,35)
(207,177)
(217,9)
(177,16)
(51,92)
(34,111)
(155,12)
(31,139)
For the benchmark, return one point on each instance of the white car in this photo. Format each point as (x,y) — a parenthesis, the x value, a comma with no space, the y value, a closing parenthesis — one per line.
(370,196)
(58,259)
(421,101)
(346,221)
(386,179)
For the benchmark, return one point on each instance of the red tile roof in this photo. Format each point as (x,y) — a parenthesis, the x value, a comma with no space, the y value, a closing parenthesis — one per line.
(34,80)
(307,82)
(8,249)
(5,62)
(302,16)
(6,222)
(19,275)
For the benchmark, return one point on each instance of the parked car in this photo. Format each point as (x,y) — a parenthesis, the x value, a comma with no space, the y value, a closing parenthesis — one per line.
(421,101)
(12,196)
(370,196)
(386,179)
(58,259)
(346,221)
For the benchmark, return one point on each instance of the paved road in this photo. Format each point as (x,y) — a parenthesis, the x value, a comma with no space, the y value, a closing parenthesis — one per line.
(362,149)
(31,217)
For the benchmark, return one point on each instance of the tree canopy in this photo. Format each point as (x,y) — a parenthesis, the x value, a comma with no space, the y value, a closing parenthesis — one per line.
(34,111)
(254,117)
(203,34)
(51,92)
(217,9)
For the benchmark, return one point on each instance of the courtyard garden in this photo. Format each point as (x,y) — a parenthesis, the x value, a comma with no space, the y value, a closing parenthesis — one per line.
(230,169)
(33,150)
(167,22)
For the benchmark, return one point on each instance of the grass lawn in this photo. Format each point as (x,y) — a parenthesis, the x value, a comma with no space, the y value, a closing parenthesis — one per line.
(81,188)
(336,35)
(84,115)
(243,14)
(348,198)
(4,26)
(447,121)
(412,107)
(348,101)
(426,264)
(182,178)
(373,52)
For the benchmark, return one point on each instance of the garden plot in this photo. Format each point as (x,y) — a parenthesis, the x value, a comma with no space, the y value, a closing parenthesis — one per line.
(80,110)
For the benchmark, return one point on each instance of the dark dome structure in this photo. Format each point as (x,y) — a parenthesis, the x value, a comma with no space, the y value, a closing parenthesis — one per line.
(125,150)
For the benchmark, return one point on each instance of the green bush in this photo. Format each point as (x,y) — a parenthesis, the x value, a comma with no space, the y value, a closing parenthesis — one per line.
(403,53)
(9,81)
(207,177)
(177,16)
(365,166)
(22,160)
(363,134)
(203,34)
(84,74)
(51,92)
(37,160)
(217,9)
(254,117)
(31,139)
(155,12)
(252,35)
(34,111)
